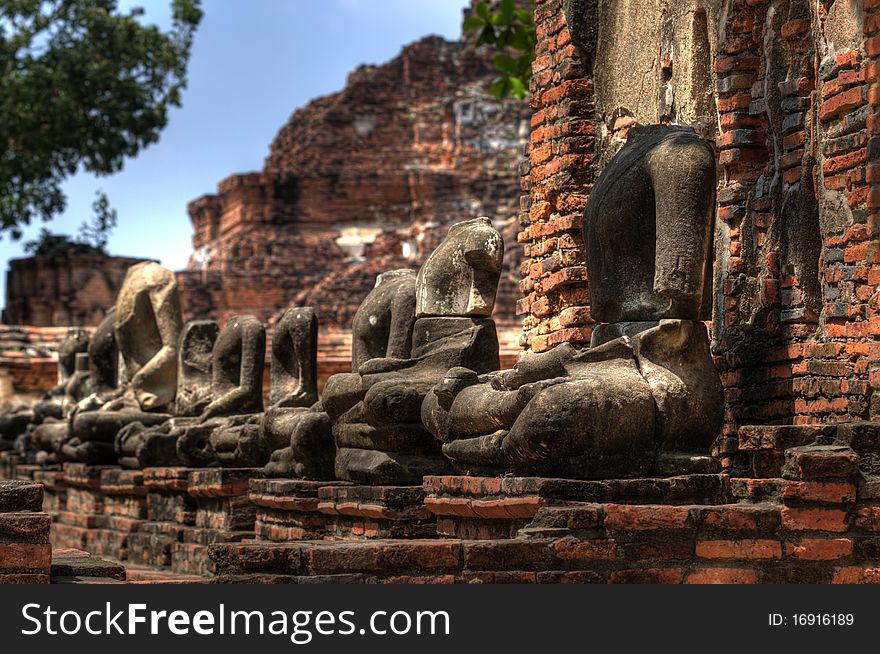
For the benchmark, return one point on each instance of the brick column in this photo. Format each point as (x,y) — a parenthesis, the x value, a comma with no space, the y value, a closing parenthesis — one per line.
(559,178)
(872,184)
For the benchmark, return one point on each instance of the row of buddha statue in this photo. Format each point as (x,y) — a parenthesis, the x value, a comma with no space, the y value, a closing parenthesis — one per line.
(425,394)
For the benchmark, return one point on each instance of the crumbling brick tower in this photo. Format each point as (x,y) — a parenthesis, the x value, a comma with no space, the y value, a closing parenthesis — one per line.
(789,91)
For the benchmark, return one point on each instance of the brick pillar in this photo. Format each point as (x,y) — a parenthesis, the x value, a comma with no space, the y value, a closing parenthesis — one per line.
(872,186)
(559,178)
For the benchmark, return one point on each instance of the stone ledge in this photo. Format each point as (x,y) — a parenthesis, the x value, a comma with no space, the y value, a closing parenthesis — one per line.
(123,482)
(685,489)
(24,527)
(73,565)
(221,482)
(81,475)
(289,509)
(289,494)
(174,479)
(17,495)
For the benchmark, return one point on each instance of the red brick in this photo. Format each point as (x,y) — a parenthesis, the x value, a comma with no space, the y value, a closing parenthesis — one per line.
(842,102)
(738,518)
(506,555)
(630,517)
(738,101)
(813,519)
(647,576)
(25,556)
(723,576)
(845,161)
(849,58)
(745,548)
(813,491)
(856,575)
(724,65)
(574,551)
(819,549)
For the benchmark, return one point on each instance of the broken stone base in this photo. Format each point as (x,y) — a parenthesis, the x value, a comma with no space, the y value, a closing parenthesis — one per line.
(25,552)
(70,566)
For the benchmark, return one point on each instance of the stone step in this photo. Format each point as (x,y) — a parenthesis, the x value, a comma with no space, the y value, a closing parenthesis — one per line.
(76,566)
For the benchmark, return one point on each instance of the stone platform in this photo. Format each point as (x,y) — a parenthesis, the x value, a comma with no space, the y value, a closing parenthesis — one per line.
(800,505)
(160,517)
(293,509)
(497,507)
(689,529)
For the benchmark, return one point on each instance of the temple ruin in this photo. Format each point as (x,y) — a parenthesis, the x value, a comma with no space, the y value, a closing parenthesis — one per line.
(695,397)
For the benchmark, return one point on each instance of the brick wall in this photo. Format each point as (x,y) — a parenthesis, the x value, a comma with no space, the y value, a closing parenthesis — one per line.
(797,319)
(74,288)
(28,360)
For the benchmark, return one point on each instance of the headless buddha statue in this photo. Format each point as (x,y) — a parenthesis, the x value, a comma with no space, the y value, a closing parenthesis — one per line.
(426,324)
(645,398)
(295,428)
(147,330)
(139,446)
(227,431)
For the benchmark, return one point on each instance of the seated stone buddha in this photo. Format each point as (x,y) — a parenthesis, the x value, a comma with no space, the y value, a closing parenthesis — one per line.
(295,427)
(140,446)
(47,438)
(408,332)
(55,404)
(227,431)
(147,330)
(645,397)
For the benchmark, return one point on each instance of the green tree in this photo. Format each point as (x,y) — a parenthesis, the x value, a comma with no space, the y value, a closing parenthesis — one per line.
(93,234)
(82,86)
(96,233)
(48,244)
(511,31)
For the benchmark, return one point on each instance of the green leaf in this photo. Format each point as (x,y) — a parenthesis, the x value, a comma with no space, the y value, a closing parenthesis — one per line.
(506,64)
(487,36)
(505,11)
(525,17)
(500,87)
(86,86)
(517,88)
(472,23)
(482,10)
(520,39)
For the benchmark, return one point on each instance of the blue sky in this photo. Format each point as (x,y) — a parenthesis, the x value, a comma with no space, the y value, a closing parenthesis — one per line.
(253,63)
